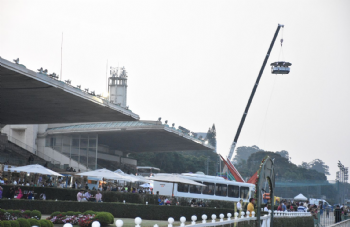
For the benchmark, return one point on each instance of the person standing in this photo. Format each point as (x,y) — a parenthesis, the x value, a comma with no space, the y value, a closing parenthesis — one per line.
(1,190)
(239,204)
(284,208)
(301,208)
(250,207)
(337,214)
(20,193)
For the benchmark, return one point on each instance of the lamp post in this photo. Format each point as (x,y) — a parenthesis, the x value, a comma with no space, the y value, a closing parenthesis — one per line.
(342,177)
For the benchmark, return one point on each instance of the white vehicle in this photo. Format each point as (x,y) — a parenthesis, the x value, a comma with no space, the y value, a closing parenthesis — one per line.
(313,201)
(217,188)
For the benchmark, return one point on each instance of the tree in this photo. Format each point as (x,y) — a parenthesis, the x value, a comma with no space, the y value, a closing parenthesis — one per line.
(211,136)
(319,166)
(304,165)
(243,153)
(284,154)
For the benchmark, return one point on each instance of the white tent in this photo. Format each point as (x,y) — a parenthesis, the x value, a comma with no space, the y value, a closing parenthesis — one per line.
(300,197)
(105,173)
(35,168)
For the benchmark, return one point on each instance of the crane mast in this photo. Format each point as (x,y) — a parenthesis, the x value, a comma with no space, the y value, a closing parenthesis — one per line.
(234,143)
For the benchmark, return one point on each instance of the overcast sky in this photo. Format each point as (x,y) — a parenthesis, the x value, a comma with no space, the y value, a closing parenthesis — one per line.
(194,63)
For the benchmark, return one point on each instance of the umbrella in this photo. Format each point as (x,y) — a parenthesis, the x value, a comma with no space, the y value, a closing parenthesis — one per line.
(35,168)
(300,197)
(147,185)
(172,178)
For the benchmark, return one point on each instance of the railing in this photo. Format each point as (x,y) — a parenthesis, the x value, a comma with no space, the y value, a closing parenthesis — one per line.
(244,216)
(345,223)
(34,151)
(21,144)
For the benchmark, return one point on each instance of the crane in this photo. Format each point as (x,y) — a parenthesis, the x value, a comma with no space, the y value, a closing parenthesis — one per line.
(234,143)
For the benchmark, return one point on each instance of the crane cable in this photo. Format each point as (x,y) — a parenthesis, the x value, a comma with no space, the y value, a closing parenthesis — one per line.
(273,88)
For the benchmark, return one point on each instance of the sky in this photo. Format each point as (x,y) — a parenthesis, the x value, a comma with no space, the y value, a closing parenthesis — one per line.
(194,63)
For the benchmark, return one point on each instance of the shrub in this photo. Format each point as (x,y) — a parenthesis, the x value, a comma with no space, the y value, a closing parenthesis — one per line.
(6,223)
(35,213)
(90,212)
(55,213)
(43,223)
(23,222)
(1,224)
(103,218)
(33,222)
(25,214)
(48,223)
(70,213)
(2,211)
(14,224)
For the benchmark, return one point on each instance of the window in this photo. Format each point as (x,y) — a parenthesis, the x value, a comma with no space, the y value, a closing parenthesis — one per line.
(221,189)
(209,189)
(233,191)
(182,187)
(196,189)
(244,192)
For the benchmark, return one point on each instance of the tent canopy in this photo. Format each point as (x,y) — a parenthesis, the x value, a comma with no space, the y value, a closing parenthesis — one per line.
(300,197)
(35,168)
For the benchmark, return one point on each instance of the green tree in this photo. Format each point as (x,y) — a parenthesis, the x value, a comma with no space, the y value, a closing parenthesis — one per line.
(284,154)
(304,165)
(319,166)
(243,153)
(211,136)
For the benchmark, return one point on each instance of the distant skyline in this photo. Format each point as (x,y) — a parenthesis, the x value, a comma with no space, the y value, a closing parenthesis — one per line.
(194,63)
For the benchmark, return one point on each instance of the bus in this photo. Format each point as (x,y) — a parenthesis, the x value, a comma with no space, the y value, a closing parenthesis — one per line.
(217,188)
(146,171)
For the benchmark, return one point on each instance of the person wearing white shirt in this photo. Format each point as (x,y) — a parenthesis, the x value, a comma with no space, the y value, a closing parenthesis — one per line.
(239,205)
(266,209)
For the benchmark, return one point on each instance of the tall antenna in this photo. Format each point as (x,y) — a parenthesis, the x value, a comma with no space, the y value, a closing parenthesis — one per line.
(61,57)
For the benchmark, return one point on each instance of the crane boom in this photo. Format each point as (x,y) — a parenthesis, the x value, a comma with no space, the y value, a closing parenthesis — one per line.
(233,146)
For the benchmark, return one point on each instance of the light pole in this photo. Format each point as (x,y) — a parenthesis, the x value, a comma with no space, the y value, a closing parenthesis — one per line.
(342,177)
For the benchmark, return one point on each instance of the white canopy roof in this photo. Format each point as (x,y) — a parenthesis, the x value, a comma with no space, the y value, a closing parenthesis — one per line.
(172,178)
(104,173)
(300,197)
(35,168)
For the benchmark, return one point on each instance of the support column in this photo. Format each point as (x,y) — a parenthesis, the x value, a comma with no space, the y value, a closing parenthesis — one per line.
(96,151)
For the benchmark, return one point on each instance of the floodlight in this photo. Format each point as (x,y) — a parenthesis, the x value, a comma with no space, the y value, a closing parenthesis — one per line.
(166,122)
(79,86)
(40,70)
(16,61)
(159,119)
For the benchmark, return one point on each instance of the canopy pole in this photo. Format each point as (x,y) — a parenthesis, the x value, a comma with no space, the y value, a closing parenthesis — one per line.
(173,190)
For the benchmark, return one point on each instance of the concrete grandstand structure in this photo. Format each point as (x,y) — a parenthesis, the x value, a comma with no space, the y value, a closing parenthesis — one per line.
(92,133)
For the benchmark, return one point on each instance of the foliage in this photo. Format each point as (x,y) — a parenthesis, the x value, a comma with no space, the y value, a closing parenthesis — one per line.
(104,218)
(6,223)
(178,162)
(211,136)
(49,223)
(15,214)
(292,222)
(319,166)
(43,223)
(285,170)
(34,222)
(243,153)
(23,222)
(14,224)
(1,224)
(284,154)
(35,214)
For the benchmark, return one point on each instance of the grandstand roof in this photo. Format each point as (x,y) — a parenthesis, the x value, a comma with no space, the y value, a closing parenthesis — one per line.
(29,97)
(140,136)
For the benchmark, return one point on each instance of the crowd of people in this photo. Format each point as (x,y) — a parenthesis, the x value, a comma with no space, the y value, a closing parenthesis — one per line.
(86,196)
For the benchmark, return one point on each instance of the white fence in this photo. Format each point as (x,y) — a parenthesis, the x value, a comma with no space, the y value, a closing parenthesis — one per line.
(219,221)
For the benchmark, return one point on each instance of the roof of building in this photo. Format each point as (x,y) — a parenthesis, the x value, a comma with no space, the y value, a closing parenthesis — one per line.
(29,97)
(140,136)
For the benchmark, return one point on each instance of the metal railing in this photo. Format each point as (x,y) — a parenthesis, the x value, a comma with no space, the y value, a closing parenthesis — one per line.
(34,151)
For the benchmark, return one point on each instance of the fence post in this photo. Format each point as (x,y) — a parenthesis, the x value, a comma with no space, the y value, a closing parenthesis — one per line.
(213,217)
(171,221)
(138,221)
(253,214)
(229,215)
(182,220)
(95,224)
(194,219)
(236,215)
(248,213)
(221,217)
(119,223)
(204,218)
(242,214)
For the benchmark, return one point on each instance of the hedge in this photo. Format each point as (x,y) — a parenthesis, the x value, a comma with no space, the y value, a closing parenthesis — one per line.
(68,194)
(119,210)
(23,222)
